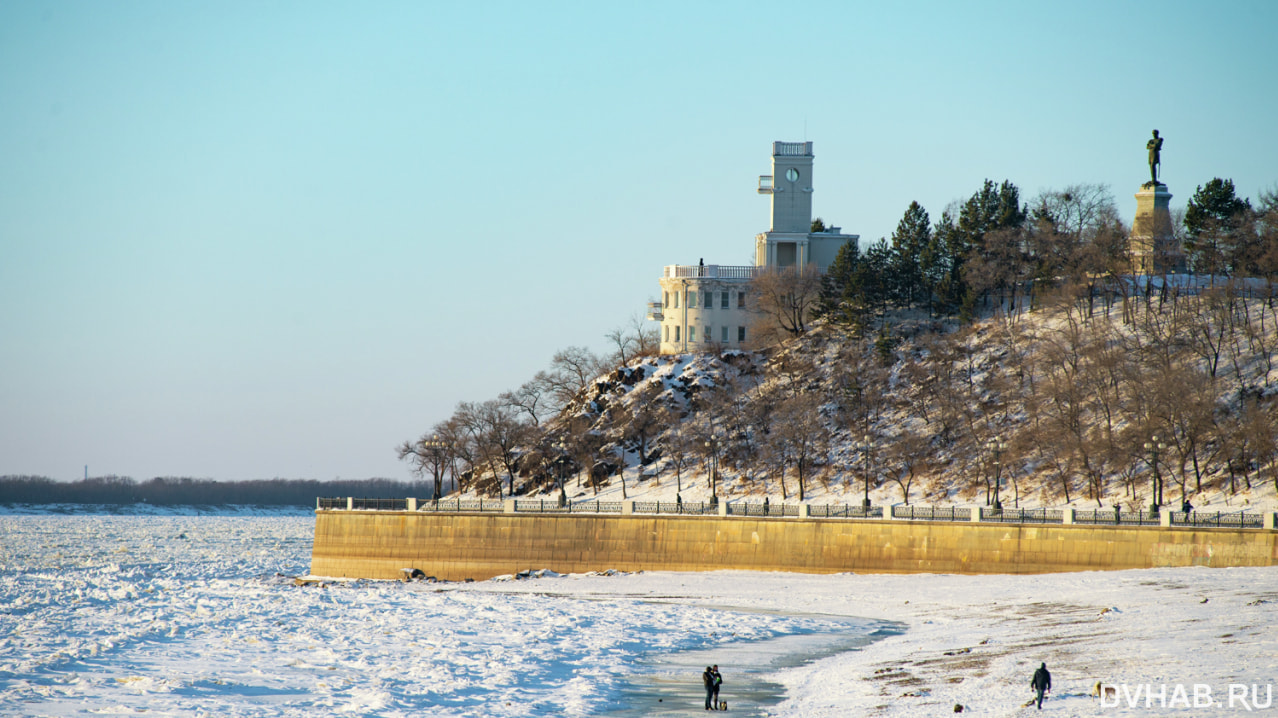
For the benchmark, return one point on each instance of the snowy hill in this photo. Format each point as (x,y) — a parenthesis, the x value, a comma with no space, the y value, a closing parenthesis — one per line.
(1071,404)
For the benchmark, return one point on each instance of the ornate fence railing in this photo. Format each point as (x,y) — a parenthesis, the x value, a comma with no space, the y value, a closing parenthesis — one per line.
(1086,517)
(1218,519)
(931,513)
(1117,518)
(844,511)
(1024,516)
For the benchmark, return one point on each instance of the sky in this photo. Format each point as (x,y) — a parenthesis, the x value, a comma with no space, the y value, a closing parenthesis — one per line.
(249,240)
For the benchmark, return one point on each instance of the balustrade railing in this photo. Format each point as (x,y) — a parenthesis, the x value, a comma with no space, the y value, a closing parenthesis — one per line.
(1097,517)
(711,271)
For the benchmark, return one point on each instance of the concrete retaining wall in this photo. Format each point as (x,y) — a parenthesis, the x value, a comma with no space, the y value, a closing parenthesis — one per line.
(378,544)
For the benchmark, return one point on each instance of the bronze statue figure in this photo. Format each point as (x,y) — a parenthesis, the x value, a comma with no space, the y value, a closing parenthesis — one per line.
(1155,160)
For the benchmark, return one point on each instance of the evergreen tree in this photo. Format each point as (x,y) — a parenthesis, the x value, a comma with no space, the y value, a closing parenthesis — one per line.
(876,276)
(992,208)
(909,243)
(1214,219)
(842,293)
(939,261)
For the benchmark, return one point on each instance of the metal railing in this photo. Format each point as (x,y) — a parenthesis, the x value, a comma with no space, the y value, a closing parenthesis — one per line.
(1117,518)
(768,509)
(459,505)
(1024,516)
(691,508)
(1218,519)
(1095,517)
(845,511)
(931,513)
(363,504)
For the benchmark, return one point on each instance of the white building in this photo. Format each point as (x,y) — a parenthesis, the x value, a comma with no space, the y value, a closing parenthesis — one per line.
(707,307)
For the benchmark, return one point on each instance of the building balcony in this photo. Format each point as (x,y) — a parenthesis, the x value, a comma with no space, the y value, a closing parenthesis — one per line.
(654,312)
(711,271)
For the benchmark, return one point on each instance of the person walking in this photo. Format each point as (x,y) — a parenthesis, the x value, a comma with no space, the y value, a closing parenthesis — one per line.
(707,678)
(718,681)
(1041,683)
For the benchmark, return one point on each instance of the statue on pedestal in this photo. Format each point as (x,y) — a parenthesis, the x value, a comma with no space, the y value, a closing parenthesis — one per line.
(1155,159)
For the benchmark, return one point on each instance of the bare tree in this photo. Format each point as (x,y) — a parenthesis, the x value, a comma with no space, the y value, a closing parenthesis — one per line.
(784,300)
(533,399)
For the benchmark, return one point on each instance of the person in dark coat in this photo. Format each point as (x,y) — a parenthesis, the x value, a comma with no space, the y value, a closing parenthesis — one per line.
(707,678)
(718,681)
(1041,683)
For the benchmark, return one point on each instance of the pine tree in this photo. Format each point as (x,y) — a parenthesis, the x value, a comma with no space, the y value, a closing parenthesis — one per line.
(842,295)
(1214,218)
(909,243)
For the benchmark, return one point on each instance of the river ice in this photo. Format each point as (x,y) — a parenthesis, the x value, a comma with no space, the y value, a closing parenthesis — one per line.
(199,616)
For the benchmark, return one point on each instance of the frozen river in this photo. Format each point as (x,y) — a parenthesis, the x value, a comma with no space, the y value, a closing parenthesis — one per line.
(199,616)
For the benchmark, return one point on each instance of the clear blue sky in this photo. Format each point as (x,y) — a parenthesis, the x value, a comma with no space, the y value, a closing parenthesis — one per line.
(248,240)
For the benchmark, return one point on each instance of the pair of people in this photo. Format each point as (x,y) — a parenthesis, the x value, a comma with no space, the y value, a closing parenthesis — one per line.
(712,681)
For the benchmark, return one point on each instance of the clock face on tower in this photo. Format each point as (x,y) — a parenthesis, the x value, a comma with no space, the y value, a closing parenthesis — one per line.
(792,174)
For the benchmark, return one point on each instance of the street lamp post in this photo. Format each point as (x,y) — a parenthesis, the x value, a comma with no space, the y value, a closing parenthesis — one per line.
(997,448)
(559,472)
(712,448)
(436,447)
(866,445)
(1154,447)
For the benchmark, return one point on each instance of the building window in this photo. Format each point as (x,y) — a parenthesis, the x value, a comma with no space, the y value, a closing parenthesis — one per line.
(709,334)
(667,328)
(676,330)
(692,334)
(740,300)
(676,306)
(665,299)
(725,329)
(723,301)
(692,304)
(740,333)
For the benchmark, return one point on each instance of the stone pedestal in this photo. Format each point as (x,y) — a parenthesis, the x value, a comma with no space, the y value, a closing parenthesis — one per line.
(1153,248)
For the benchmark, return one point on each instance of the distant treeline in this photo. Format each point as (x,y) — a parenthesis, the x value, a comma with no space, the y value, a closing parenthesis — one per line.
(175,491)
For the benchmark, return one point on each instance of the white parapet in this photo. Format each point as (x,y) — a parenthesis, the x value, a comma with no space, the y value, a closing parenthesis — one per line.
(803,511)
(508,506)
(976,513)
(1067,516)
(627,507)
(412,504)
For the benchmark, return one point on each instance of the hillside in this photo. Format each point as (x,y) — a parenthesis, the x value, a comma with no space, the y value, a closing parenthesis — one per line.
(1073,391)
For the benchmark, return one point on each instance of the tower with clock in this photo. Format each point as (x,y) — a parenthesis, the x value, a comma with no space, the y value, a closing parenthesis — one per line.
(707,307)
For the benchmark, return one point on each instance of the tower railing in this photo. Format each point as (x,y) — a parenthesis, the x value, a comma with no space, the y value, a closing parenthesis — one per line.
(791,149)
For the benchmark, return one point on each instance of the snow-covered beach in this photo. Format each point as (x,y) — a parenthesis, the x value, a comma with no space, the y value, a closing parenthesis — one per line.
(199,615)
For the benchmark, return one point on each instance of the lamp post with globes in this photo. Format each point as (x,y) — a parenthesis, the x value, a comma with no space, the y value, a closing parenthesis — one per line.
(866,445)
(712,446)
(436,447)
(560,464)
(1154,447)
(997,447)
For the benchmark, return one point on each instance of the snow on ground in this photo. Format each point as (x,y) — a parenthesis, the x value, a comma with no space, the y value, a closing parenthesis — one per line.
(198,615)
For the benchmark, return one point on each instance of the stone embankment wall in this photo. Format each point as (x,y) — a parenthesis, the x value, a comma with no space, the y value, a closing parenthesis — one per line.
(452,546)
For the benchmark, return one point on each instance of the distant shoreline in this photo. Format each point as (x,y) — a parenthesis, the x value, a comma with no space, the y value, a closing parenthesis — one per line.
(145,509)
